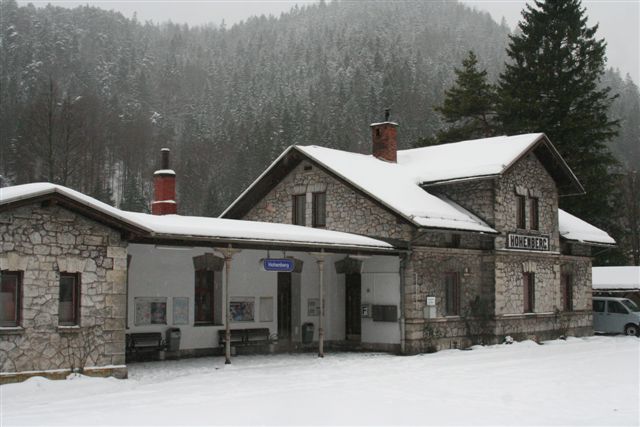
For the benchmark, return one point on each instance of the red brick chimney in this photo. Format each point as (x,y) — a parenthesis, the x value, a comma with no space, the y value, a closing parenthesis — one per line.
(164,184)
(384,139)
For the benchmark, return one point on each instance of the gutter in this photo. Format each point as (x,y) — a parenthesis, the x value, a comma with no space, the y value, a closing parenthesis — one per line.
(158,238)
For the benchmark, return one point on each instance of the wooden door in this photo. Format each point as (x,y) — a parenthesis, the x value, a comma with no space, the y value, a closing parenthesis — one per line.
(284,306)
(352,306)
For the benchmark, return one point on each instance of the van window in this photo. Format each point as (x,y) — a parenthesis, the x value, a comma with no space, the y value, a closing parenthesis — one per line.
(616,307)
(598,306)
(630,305)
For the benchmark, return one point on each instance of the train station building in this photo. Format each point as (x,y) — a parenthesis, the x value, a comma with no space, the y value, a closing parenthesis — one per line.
(403,251)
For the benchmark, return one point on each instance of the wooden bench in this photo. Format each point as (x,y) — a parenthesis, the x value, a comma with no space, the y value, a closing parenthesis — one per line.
(246,337)
(145,342)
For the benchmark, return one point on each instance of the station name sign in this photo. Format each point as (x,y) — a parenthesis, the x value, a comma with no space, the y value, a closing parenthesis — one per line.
(532,243)
(278,264)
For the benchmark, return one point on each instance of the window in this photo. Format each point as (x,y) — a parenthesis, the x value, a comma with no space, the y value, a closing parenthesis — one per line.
(616,307)
(10,298)
(567,292)
(534,222)
(598,306)
(299,209)
(452,294)
(630,305)
(204,297)
(319,209)
(521,206)
(529,282)
(69,303)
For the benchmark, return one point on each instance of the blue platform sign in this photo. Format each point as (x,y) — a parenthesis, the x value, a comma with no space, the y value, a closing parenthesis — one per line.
(278,264)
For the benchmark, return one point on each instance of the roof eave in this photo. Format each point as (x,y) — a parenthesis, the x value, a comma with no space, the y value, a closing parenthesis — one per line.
(543,139)
(256,181)
(71,203)
(252,243)
(457,180)
(589,242)
(459,230)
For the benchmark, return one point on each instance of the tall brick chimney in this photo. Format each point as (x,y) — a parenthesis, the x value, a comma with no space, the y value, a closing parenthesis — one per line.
(164,185)
(384,139)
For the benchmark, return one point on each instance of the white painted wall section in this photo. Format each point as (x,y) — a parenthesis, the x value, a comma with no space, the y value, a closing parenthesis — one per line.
(168,272)
(381,285)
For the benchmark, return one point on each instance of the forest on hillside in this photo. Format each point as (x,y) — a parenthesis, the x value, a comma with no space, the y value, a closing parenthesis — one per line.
(88,97)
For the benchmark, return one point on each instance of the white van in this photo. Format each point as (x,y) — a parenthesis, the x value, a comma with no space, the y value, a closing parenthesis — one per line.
(616,315)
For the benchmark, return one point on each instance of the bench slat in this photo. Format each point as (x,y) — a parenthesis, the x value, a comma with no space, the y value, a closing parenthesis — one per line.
(251,336)
(145,340)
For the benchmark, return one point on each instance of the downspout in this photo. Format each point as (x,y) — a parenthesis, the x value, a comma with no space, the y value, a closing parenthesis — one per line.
(403,265)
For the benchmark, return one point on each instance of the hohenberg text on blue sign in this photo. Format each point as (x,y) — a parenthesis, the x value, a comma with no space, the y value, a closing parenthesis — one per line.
(278,264)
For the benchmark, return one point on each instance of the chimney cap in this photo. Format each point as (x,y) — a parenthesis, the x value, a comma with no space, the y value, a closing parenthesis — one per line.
(387,113)
(165,172)
(165,149)
(384,123)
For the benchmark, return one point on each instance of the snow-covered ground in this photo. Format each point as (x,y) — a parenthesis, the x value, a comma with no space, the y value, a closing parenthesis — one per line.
(586,381)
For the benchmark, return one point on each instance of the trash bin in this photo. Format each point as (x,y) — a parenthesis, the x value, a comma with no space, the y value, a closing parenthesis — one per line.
(173,339)
(307,333)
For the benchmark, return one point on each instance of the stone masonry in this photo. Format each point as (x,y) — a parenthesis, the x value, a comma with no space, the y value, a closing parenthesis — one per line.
(347,210)
(41,242)
(528,178)
(491,275)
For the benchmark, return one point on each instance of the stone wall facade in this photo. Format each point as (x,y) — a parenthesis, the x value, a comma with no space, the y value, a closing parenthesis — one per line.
(477,196)
(425,272)
(42,242)
(347,210)
(529,178)
(510,269)
(491,275)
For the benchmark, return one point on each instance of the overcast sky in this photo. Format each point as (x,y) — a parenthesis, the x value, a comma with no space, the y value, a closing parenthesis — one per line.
(619,20)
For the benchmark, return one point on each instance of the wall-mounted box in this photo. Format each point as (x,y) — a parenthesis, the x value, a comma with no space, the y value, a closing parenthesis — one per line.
(365,311)
(384,313)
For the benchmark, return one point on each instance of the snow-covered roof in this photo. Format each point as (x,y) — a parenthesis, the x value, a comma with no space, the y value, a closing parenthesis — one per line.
(616,277)
(178,226)
(473,158)
(573,228)
(397,187)
(29,191)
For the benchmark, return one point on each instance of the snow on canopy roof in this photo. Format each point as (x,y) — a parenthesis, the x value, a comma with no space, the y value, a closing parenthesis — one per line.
(616,277)
(178,225)
(200,227)
(397,187)
(573,228)
(473,158)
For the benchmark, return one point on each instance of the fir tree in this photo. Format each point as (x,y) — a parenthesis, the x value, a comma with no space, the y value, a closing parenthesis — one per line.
(551,85)
(469,105)
(132,196)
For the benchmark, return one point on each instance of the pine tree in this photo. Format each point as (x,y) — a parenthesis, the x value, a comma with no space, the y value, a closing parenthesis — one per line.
(132,196)
(551,85)
(469,105)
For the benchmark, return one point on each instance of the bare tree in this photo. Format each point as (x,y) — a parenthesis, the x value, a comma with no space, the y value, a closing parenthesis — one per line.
(81,348)
(52,145)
